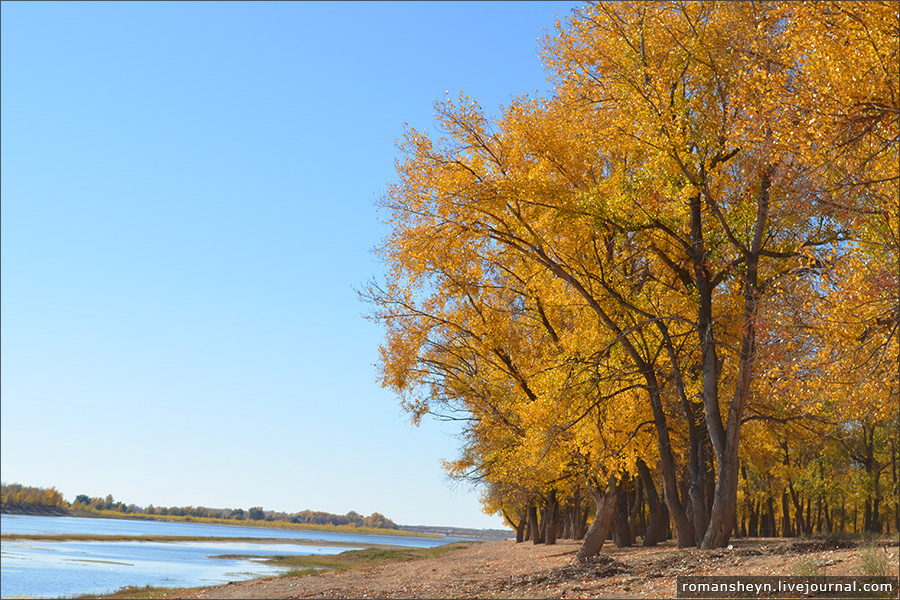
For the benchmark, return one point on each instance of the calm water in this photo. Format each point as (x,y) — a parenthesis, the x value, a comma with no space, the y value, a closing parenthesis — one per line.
(56,569)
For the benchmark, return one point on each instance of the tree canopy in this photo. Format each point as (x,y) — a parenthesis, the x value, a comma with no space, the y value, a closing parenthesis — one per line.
(680,267)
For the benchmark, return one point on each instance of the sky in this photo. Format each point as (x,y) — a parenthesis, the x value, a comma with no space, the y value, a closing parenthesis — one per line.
(188,196)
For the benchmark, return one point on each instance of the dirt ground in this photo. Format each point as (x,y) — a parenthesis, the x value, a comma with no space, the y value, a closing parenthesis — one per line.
(510,570)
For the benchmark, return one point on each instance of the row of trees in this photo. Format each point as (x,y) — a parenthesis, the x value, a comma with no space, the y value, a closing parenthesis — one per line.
(671,287)
(18,497)
(85,502)
(376,520)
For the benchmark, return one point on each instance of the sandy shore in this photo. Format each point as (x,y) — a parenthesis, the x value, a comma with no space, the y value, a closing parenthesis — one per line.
(509,570)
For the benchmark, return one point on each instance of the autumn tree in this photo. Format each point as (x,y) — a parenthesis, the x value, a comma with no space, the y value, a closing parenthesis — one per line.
(631,251)
(15,496)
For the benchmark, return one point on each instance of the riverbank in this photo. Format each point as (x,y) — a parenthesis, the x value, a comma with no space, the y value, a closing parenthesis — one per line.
(509,570)
(38,511)
(59,557)
(46,511)
(75,537)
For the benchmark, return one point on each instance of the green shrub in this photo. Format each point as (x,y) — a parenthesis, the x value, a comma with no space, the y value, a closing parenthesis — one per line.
(874,561)
(809,567)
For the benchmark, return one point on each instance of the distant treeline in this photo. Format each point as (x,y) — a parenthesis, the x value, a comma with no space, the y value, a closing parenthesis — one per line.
(19,498)
(22,498)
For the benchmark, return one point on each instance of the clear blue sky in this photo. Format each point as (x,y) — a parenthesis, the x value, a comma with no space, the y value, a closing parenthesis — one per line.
(188,202)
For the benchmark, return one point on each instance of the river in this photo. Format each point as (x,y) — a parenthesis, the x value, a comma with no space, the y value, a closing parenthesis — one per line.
(53,569)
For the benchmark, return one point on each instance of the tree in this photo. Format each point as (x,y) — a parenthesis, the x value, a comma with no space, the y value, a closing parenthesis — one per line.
(642,239)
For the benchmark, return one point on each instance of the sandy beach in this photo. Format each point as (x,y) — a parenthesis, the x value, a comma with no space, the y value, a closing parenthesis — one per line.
(510,570)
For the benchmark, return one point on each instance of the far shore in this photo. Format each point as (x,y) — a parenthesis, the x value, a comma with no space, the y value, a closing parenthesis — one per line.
(46,511)
(72,537)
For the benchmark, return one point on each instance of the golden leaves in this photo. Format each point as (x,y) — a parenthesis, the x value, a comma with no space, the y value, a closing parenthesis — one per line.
(533,256)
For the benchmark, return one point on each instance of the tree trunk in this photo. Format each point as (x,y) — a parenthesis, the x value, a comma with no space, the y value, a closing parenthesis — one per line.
(636,507)
(819,514)
(599,529)
(683,527)
(786,515)
(533,526)
(665,522)
(764,527)
(518,527)
(829,525)
(867,515)
(544,519)
(652,533)
(808,522)
(724,507)
(769,519)
(753,525)
(575,513)
(582,515)
(726,440)
(802,526)
(697,492)
(621,531)
(876,504)
(552,519)
(686,496)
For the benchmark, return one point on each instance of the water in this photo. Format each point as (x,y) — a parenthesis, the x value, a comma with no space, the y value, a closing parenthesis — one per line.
(81,525)
(56,569)
(49,570)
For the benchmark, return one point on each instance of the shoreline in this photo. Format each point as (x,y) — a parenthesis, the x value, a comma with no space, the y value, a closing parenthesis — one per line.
(75,537)
(509,570)
(282,525)
(350,554)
